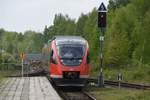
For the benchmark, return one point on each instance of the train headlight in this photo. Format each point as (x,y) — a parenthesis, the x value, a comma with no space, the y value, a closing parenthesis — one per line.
(61,61)
(80,60)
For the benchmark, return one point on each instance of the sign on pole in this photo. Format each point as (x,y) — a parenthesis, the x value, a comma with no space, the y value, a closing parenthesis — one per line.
(22,56)
(102,16)
(102,25)
(119,78)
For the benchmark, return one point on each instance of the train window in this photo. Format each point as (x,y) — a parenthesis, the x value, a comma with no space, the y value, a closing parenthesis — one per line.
(52,57)
(71,51)
(88,59)
(71,54)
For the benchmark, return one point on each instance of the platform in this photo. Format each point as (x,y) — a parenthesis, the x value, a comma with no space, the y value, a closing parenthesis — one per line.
(27,88)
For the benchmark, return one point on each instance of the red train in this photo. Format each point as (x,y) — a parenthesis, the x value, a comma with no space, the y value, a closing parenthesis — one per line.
(69,60)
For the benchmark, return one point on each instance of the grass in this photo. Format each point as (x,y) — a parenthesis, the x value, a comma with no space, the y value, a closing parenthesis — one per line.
(137,74)
(119,94)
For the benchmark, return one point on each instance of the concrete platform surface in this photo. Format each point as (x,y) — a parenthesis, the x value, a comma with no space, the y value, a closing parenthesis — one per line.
(27,88)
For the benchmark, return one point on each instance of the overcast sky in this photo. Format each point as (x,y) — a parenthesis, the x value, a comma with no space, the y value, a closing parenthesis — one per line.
(21,15)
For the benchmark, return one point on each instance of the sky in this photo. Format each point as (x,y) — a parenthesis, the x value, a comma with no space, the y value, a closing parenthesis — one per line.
(22,15)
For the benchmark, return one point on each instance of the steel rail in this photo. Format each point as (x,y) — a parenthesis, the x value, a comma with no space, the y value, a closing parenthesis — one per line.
(89,95)
(122,84)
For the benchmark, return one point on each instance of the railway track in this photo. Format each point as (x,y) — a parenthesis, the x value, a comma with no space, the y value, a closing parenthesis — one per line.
(72,93)
(122,84)
(75,95)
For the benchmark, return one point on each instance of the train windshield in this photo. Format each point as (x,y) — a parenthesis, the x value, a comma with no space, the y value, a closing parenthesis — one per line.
(71,51)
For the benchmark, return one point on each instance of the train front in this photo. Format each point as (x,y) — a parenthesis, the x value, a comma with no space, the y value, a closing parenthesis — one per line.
(71,65)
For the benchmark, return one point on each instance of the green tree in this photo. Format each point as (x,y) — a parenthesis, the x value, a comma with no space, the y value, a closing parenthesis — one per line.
(81,24)
(113,4)
(91,33)
(117,49)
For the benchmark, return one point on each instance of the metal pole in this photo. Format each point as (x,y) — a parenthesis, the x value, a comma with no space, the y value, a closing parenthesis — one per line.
(22,67)
(101,76)
(27,70)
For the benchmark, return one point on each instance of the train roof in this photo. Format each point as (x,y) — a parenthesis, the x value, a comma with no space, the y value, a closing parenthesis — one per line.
(70,40)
